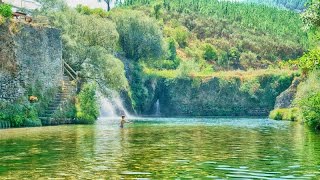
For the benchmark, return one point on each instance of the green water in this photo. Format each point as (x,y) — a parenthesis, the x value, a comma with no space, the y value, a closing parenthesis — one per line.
(162,149)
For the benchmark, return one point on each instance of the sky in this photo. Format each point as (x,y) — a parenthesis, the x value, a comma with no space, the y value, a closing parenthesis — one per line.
(72,3)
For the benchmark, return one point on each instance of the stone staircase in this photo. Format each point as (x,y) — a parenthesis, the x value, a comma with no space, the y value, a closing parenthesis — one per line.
(62,97)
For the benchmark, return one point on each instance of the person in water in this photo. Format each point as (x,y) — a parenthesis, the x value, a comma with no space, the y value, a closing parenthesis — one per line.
(123,120)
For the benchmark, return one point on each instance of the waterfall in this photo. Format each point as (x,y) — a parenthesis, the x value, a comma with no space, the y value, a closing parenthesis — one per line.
(106,108)
(112,107)
(157,106)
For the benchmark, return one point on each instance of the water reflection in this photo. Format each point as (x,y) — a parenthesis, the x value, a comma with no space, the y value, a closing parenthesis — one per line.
(163,148)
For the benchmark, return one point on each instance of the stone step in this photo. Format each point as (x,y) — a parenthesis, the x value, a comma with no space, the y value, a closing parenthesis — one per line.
(65,92)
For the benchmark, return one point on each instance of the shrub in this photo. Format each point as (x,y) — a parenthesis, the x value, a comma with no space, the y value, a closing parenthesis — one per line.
(310,107)
(19,114)
(310,61)
(172,49)
(86,105)
(290,114)
(181,35)
(251,87)
(5,10)
(188,68)
(210,54)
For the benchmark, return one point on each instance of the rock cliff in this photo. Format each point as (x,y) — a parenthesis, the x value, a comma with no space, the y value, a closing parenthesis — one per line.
(29,57)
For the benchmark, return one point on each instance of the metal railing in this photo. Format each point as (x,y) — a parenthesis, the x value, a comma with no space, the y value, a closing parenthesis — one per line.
(69,71)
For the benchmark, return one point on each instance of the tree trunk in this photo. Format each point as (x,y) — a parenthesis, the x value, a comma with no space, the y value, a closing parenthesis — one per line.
(108,3)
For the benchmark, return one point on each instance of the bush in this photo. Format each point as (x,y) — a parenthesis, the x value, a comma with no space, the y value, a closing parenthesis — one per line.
(210,54)
(181,35)
(5,10)
(290,114)
(172,49)
(20,114)
(310,107)
(86,105)
(310,61)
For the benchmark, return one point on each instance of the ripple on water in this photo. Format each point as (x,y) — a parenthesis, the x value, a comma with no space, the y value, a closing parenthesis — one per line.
(163,149)
(134,173)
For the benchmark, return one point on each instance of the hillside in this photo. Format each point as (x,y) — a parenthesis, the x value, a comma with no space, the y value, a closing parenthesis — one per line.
(225,35)
(296,5)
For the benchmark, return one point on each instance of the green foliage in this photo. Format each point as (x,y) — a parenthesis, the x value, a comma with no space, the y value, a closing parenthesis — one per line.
(80,31)
(258,33)
(188,69)
(5,10)
(138,85)
(89,41)
(86,10)
(251,87)
(308,87)
(157,9)
(49,6)
(311,16)
(310,61)
(181,35)
(210,54)
(298,5)
(140,36)
(291,114)
(308,99)
(248,59)
(310,107)
(172,49)
(104,69)
(19,114)
(86,105)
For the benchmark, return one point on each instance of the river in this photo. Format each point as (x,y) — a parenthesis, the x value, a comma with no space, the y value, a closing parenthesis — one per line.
(164,148)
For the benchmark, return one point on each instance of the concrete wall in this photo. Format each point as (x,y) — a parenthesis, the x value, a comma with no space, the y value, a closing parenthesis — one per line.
(29,57)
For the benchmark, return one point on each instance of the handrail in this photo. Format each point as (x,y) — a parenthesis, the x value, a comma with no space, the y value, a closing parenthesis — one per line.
(67,65)
(71,73)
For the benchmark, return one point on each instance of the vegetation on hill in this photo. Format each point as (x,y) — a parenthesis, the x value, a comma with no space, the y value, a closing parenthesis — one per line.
(298,5)
(237,35)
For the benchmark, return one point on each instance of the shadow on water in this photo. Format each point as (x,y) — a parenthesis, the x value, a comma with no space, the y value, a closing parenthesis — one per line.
(163,148)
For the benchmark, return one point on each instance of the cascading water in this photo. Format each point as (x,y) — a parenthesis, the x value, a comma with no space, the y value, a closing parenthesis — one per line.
(157,106)
(106,108)
(113,107)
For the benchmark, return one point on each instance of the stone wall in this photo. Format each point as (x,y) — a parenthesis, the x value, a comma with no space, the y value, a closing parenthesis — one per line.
(215,97)
(29,57)
(220,97)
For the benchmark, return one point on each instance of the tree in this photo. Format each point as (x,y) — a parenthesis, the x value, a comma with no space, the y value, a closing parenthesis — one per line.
(139,35)
(49,6)
(210,54)
(172,49)
(86,104)
(108,2)
(89,42)
(311,16)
